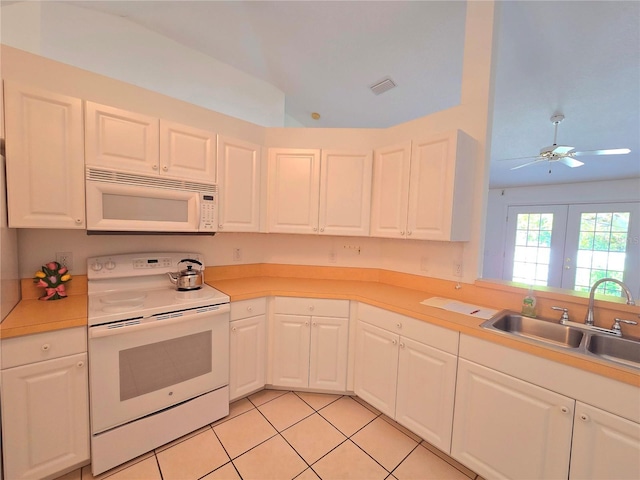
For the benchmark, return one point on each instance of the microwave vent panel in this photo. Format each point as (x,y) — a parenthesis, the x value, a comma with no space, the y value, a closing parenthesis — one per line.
(122,178)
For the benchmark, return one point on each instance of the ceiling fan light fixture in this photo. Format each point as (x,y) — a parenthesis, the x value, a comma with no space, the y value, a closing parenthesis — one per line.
(382,86)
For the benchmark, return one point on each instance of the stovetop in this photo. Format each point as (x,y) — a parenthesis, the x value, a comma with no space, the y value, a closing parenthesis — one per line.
(122,287)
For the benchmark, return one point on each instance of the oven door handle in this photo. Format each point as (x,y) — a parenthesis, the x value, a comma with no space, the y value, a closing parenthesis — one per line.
(148,323)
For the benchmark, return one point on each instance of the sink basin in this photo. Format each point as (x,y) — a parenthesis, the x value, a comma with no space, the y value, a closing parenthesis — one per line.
(615,349)
(536,329)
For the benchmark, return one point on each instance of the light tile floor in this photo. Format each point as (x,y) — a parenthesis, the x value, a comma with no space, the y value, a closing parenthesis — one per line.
(284,435)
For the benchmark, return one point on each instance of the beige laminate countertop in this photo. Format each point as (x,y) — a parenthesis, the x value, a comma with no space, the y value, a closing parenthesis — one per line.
(407,302)
(35,316)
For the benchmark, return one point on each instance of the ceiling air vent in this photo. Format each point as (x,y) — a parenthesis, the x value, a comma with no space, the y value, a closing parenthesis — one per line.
(382,86)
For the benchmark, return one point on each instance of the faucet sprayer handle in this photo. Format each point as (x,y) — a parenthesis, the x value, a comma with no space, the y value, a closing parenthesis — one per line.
(565,314)
(616,324)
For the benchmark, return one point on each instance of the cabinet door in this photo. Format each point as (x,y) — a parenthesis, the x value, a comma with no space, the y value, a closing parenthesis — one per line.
(345,193)
(45,417)
(390,195)
(376,367)
(247,356)
(328,353)
(425,396)
(120,139)
(187,152)
(505,428)
(239,181)
(45,159)
(294,184)
(441,187)
(605,446)
(291,350)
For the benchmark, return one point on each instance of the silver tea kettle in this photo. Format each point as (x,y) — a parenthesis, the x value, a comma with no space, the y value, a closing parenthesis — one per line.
(188,278)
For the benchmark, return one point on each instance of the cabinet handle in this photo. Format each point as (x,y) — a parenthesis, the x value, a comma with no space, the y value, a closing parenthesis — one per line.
(315,324)
(402,233)
(165,168)
(306,324)
(155,167)
(250,309)
(78,221)
(315,229)
(401,345)
(311,307)
(46,347)
(220,227)
(80,364)
(233,329)
(399,325)
(584,417)
(409,232)
(564,409)
(394,341)
(322,229)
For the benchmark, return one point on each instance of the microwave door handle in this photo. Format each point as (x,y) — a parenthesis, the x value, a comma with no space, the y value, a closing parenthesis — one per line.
(105,331)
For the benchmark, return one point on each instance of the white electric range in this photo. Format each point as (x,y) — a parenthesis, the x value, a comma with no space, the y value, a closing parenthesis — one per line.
(158,357)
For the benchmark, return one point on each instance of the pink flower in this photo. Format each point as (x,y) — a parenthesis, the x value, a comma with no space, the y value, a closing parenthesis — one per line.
(62,271)
(52,265)
(42,283)
(53,279)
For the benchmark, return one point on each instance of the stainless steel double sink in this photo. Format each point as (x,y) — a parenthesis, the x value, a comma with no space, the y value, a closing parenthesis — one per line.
(589,341)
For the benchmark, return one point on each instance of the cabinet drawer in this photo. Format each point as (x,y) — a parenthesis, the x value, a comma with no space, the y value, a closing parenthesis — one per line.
(43,346)
(423,332)
(248,308)
(311,306)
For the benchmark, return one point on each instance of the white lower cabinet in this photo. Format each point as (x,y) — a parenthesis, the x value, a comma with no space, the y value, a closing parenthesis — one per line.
(247,347)
(605,446)
(406,368)
(45,406)
(505,428)
(310,342)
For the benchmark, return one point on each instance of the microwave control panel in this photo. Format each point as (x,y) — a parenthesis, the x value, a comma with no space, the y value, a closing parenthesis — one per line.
(208,212)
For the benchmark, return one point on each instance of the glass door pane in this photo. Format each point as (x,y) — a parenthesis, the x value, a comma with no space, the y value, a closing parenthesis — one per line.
(604,240)
(534,244)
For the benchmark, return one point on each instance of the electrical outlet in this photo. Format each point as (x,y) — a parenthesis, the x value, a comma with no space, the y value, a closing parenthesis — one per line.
(65,259)
(457,269)
(424,264)
(237,254)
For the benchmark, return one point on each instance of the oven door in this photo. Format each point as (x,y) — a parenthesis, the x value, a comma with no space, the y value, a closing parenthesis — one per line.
(138,367)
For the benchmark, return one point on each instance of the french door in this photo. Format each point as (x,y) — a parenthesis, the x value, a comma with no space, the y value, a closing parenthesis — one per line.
(573,246)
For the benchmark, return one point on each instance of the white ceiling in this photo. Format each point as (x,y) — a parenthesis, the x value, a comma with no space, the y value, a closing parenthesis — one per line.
(578,58)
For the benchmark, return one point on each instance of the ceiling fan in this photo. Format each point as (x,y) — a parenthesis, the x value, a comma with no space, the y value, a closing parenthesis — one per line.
(563,153)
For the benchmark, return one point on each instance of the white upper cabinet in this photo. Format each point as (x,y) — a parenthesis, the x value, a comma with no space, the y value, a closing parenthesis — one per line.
(134,142)
(121,139)
(438,194)
(44,158)
(345,193)
(187,152)
(326,193)
(390,197)
(294,186)
(239,179)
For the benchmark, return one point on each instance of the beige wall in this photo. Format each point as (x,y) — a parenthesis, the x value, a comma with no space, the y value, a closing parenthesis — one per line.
(419,257)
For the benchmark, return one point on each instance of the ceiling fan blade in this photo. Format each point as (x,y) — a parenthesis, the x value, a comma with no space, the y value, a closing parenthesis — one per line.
(571,162)
(528,163)
(611,151)
(519,158)
(562,149)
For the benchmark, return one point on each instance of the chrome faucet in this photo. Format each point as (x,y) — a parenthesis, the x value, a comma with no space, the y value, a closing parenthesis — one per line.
(588,319)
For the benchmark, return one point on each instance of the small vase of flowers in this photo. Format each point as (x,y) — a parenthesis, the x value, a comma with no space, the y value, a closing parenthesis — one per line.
(52,277)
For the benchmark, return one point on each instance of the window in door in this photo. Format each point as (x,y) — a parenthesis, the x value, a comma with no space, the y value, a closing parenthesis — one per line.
(534,242)
(573,246)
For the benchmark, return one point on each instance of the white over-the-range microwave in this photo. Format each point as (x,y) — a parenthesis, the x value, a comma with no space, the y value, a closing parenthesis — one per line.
(119,202)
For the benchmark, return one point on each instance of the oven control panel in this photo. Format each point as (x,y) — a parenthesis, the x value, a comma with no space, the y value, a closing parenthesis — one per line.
(137,264)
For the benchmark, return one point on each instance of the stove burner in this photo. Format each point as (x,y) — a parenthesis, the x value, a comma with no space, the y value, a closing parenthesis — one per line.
(189,295)
(136,298)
